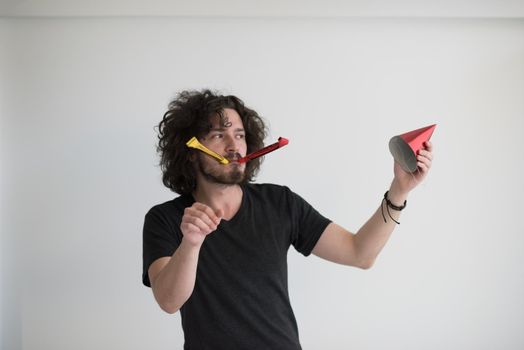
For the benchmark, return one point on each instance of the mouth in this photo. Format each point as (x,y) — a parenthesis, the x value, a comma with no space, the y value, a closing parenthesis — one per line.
(234,162)
(234,158)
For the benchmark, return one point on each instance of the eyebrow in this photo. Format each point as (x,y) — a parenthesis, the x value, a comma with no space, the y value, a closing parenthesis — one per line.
(222,129)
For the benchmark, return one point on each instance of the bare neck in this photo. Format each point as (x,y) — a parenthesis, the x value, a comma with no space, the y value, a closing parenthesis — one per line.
(218,196)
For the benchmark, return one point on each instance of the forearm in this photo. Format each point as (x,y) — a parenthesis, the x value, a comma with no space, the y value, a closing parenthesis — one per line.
(175,283)
(374,234)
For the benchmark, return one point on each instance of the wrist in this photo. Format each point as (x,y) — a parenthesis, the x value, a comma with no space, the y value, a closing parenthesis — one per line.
(396,195)
(389,204)
(190,245)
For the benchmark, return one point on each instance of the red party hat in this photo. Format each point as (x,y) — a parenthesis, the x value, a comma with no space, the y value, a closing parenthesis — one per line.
(405,147)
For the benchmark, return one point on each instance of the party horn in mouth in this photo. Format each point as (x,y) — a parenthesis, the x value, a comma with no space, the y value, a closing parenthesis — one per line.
(193,143)
(281,143)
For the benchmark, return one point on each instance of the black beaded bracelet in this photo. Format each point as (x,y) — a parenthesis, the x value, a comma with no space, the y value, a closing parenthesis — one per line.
(392,206)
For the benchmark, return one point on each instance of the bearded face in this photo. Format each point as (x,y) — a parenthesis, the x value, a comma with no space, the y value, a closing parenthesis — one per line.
(230,174)
(227,138)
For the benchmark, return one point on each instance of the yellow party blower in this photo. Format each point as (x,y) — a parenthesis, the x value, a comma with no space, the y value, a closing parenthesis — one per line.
(193,143)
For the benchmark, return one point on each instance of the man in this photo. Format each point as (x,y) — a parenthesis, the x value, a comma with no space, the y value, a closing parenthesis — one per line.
(218,251)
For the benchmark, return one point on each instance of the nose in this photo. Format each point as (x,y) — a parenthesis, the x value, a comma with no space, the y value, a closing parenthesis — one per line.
(232,144)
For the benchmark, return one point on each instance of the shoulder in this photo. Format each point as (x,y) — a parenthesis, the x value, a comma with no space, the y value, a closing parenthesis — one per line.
(163,220)
(278,195)
(169,209)
(267,190)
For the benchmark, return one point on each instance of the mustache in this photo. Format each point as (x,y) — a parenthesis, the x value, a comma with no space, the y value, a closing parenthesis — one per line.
(233,156)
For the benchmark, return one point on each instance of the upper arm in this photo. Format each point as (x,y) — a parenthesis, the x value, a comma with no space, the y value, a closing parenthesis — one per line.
(155,268)
(338,245)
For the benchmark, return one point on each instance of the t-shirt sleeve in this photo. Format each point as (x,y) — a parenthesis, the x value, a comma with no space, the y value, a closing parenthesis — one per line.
(159,240)
(307,224)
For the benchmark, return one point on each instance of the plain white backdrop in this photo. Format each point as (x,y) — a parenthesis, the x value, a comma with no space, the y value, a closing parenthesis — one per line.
(80,97)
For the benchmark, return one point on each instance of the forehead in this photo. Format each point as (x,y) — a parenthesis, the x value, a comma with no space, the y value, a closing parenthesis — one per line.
(231,118)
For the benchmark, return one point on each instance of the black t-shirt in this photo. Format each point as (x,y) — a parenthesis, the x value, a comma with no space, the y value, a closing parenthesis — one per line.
(240,299)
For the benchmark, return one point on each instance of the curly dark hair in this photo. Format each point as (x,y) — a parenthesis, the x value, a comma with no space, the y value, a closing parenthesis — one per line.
(189,115)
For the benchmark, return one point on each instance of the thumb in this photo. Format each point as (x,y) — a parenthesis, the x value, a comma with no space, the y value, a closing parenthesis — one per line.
(219,213)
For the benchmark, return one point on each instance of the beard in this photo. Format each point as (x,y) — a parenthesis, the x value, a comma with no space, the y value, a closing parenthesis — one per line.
(232,174)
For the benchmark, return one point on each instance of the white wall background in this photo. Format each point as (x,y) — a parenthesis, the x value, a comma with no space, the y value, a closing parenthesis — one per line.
(80,97)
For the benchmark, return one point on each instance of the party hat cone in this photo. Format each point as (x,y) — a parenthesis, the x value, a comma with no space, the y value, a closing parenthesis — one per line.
(405,147)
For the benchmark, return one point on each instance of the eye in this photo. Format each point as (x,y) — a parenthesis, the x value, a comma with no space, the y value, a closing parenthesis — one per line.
(240,136)
(216,136)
